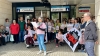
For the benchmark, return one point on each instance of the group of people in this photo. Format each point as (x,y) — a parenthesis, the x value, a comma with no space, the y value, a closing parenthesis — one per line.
(26,32)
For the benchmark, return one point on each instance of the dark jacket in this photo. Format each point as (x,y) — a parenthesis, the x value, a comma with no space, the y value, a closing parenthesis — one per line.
(90,33)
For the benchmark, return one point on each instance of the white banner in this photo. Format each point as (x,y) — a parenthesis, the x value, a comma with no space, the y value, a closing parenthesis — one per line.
(72,38)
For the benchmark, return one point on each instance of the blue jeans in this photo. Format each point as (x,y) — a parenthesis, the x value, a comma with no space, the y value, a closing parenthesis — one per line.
(89,46)
(40,38)
(21,36)
(7,38)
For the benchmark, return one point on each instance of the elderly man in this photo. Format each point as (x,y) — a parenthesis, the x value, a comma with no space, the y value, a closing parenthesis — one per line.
(90,34)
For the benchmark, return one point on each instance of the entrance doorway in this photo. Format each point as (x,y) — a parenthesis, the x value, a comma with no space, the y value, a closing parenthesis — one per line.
(55,16)
(60,15)
(25,16)
(64,17)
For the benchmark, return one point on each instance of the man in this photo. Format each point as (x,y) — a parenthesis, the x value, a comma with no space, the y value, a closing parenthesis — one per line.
(90,34)
(22,29)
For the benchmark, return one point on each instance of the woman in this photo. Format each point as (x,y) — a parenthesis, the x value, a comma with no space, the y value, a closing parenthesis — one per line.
(64,26)
(29,24)
(49,30)
(69,21)
(59,38)
(7,26)
(76,24)
(40,30)
(70,24)
(57,25)
(3,35)
(81,42)
(53,34)
(14,28)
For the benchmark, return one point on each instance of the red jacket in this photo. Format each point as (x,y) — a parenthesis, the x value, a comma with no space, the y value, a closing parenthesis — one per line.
(14,28)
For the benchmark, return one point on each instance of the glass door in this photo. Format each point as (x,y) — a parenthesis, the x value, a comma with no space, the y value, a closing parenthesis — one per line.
(64,17)
(20,15)
(55,16)
(28,16)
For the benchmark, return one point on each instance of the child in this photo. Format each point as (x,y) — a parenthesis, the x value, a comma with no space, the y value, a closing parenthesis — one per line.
(28,37)
(59,38)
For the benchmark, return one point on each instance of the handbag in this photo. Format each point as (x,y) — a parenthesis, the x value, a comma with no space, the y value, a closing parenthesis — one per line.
(11,38)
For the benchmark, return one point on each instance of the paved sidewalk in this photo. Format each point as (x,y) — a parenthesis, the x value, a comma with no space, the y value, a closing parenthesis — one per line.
(20,50)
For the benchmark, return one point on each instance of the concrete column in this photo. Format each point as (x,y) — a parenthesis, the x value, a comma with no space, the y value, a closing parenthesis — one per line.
(97,19)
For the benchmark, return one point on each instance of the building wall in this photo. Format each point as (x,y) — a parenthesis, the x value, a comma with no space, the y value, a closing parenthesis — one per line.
(5,10)
(97,20)
(92,9)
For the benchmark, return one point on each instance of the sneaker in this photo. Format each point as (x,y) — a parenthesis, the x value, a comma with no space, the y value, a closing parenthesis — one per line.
(39,52)
(45,53)
(27,46)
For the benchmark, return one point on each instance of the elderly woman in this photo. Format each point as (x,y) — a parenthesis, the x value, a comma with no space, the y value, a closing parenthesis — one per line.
(14,28)
(40,31)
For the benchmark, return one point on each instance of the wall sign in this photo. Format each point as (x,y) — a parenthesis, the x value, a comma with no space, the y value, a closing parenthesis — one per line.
(25,9)
(84,9)
(59,8)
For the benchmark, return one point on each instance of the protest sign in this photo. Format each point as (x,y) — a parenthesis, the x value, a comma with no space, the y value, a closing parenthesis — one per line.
(72,38)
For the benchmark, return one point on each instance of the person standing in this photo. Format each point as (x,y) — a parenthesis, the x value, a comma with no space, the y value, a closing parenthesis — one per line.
(81,42)
(29,24)
(53,34)
(76,24)
(14,28)
(90,34)
(57,25)
(49,30)
(40,31)
(63,27)
(7,27)
(22,29)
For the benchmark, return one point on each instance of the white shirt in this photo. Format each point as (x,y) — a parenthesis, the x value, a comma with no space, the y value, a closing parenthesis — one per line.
(63,26)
